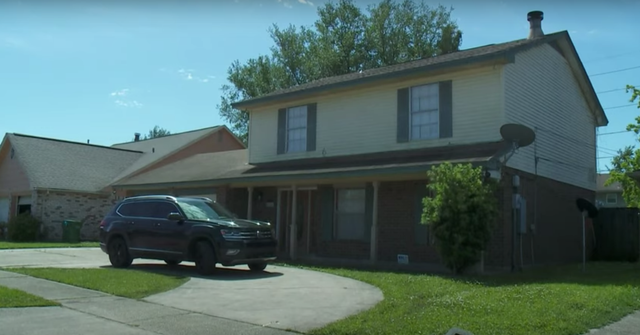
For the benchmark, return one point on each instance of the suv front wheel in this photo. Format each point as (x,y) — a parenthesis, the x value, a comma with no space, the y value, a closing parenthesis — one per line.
(205,258)
(119,253)
(257,267)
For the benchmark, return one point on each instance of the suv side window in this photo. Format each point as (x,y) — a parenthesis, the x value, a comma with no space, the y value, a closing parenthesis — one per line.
(130,209)
(162,209)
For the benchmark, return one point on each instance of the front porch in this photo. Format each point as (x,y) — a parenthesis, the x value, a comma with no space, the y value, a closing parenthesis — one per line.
(349,220)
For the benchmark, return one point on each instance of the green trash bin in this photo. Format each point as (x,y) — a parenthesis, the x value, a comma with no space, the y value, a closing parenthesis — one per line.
(71,231)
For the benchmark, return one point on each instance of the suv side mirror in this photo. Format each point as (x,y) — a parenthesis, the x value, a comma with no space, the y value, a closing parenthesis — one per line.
(175,217)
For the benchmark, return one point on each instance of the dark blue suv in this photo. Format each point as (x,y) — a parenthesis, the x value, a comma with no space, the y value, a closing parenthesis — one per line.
(192,229)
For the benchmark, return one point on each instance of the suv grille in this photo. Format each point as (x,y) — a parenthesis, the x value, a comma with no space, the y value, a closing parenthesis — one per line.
(255,234)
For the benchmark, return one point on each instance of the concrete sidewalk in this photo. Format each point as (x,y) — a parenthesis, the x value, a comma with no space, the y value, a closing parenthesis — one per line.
(630,324)
(90,312)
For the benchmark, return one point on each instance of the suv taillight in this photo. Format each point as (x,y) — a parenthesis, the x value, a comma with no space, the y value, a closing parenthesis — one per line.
(102,223)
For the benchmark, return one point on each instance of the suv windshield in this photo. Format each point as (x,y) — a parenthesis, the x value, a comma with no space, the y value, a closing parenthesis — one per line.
(204,210)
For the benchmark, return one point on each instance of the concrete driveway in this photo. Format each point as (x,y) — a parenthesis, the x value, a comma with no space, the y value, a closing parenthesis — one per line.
(282,298)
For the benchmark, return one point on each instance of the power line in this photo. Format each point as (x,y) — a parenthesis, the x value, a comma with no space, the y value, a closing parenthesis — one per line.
(620,106)
(616,132)
(615,71)
(615,90)
(581,142)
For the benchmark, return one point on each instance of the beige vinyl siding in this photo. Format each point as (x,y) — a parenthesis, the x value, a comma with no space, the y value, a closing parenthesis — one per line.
(364,121)
(541,91)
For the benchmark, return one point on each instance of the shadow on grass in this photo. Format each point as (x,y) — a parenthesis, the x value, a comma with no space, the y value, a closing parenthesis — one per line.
(595,274)
(222,273)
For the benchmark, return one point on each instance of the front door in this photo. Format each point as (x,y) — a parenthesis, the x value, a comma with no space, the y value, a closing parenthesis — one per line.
(303,220)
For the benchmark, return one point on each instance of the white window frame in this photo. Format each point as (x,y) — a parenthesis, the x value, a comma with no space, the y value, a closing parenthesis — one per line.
(413,112)
(289,130)
(338,214)
(615,198)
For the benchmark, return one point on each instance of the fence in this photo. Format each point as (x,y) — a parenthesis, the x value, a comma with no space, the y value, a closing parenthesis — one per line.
(617,234)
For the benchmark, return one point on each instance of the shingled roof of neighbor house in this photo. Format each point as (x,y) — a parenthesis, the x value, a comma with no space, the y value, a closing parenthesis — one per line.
(500,51)
(158,148)
(65,165)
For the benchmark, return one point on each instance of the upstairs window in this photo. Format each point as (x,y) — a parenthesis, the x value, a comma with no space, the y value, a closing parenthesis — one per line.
(296,129)
(612,198)
(424,106)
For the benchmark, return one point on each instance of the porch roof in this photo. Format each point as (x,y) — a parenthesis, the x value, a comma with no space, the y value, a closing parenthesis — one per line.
(231,167)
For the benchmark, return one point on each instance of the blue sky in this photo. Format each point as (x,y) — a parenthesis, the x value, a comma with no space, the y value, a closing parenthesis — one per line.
(102,70)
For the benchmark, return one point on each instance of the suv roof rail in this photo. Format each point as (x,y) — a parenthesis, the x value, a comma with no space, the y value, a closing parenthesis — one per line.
(195,197)
(151,197)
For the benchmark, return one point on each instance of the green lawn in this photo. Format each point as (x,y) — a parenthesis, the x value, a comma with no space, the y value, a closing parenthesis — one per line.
(16,298)
(38,245)
(559,300)
(124,283)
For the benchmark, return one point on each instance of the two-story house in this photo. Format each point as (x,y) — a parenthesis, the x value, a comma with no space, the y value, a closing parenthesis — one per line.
(339,164)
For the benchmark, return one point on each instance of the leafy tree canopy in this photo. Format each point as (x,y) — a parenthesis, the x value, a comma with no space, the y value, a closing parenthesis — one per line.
(157,131)
(628,160)
(343,39)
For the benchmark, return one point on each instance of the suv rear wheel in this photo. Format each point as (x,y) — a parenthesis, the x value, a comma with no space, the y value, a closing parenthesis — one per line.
(119,253)
(172,262)
(257,267)
(205,258)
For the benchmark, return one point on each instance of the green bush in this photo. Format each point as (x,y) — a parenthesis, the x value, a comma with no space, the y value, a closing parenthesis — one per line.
(462,213)
(24,228)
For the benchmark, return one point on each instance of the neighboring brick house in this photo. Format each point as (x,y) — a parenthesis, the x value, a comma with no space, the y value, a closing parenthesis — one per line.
(58,180)
(339,164)
(611,195)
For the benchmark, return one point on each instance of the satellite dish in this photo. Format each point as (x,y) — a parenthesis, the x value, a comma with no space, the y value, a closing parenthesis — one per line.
(585,205)
(517,135)
(520,135)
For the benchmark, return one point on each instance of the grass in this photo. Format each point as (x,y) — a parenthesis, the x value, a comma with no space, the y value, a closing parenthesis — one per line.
(123,283)
(38,245)
(558,300)
(10,298)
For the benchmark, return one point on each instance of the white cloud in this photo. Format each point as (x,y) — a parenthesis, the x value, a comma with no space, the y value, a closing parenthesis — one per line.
(189,74)
(306,2)
(120,93)
(132,103)
(285,3)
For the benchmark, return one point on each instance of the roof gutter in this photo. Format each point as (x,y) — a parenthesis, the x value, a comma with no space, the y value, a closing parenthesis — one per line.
(501,57)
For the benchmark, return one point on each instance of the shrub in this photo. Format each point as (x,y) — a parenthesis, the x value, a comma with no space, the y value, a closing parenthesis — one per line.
(461,213)
(3,225)
(23,228)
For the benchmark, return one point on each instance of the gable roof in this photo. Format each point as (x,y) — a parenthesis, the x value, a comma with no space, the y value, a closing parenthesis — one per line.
(158,148)
(65,165)
(492,52)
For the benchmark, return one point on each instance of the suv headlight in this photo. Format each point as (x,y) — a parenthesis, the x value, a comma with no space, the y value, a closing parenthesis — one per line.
(228,233)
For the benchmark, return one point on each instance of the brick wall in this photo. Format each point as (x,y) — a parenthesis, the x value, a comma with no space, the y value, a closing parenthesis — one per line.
(558,233)
(55,207)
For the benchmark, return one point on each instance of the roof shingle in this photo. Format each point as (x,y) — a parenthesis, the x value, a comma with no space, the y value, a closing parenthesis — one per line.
(57,164)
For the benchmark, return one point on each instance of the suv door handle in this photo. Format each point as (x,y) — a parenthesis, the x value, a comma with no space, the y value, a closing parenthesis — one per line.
(157,224)
(132,222)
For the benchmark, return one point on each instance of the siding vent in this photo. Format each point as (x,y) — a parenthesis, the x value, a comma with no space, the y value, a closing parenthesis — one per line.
(535,24)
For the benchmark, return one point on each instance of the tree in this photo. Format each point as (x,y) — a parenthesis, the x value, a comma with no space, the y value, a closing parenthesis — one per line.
(156,132)
(628,160)
(344,39)
(462,212)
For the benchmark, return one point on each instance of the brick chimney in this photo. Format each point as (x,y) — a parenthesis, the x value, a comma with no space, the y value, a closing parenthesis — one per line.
(136,137)
(535,24)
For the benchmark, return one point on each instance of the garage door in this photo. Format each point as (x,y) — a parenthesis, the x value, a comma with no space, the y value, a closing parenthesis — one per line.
(5,205)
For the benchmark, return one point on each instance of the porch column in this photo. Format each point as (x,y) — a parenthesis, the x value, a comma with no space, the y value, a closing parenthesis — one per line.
(250,202)
(374,223)
(293,230)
